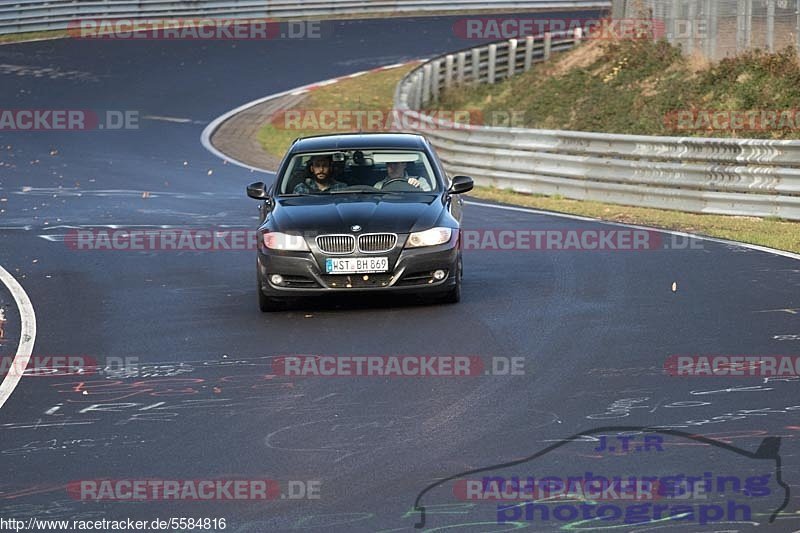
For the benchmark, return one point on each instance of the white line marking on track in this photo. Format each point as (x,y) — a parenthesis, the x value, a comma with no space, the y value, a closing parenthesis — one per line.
(177,120)
(27,335)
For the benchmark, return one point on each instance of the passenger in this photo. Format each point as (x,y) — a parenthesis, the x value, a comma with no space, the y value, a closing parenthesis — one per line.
(396,171)
(320,168)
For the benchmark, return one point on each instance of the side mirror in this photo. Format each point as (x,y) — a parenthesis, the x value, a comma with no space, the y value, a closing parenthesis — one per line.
(257,191)
(461,184)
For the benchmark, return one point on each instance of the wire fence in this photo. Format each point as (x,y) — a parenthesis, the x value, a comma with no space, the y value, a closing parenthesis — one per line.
(719,28)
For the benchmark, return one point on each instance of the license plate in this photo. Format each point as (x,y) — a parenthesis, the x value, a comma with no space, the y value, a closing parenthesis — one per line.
(356,265)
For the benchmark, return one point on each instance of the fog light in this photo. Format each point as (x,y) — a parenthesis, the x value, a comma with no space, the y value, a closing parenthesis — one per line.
(439,275)
(276,279)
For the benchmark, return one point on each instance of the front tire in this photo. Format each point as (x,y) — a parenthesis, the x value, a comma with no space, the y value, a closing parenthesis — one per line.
(453,296)
(265,303)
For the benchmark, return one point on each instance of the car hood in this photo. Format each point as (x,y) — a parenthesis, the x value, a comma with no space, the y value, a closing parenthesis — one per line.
(337,213)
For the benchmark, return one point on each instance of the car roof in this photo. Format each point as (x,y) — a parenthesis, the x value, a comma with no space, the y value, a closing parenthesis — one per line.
(354,141)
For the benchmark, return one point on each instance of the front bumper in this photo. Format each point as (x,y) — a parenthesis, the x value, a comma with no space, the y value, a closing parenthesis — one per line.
(410,270)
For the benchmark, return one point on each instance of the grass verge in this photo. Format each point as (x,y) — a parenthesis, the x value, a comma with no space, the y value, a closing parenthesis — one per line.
(33,36)
(369,92)
(643,87)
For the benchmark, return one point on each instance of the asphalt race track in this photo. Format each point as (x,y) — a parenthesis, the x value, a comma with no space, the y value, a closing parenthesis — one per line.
(594,328)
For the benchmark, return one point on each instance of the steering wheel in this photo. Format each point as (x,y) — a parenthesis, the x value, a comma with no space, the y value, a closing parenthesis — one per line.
(397,179)
(399,185)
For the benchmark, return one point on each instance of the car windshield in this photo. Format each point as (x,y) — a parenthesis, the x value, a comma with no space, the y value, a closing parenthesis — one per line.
(358,172)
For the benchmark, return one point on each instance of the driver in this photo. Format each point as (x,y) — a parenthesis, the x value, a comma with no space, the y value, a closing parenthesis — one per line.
(321,169)
(396,171)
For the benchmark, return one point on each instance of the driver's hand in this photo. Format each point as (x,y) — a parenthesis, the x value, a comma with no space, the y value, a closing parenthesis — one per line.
(415,182)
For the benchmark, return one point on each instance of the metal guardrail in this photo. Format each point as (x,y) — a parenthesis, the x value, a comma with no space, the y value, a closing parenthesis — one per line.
(702,175)
(18,16)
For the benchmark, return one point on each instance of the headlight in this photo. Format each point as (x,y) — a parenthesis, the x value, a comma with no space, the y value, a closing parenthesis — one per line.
(276,240)
(430,237)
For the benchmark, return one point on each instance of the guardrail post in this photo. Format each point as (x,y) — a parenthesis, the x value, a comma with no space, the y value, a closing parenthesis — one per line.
(618,9)
(426,85)
(492,62)
(797,26)
(748,38)
(714,32)
(771,25)
(436,79)
(711,35)
(548,45)
(673,9)
(448,71)
(740,25)
(417,96)
(578,35)
(690,27)
(512,56)
(461,60)
(529,51)
(476,65)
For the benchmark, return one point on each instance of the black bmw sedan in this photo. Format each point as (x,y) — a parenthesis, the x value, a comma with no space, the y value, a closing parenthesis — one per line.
(358,213)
